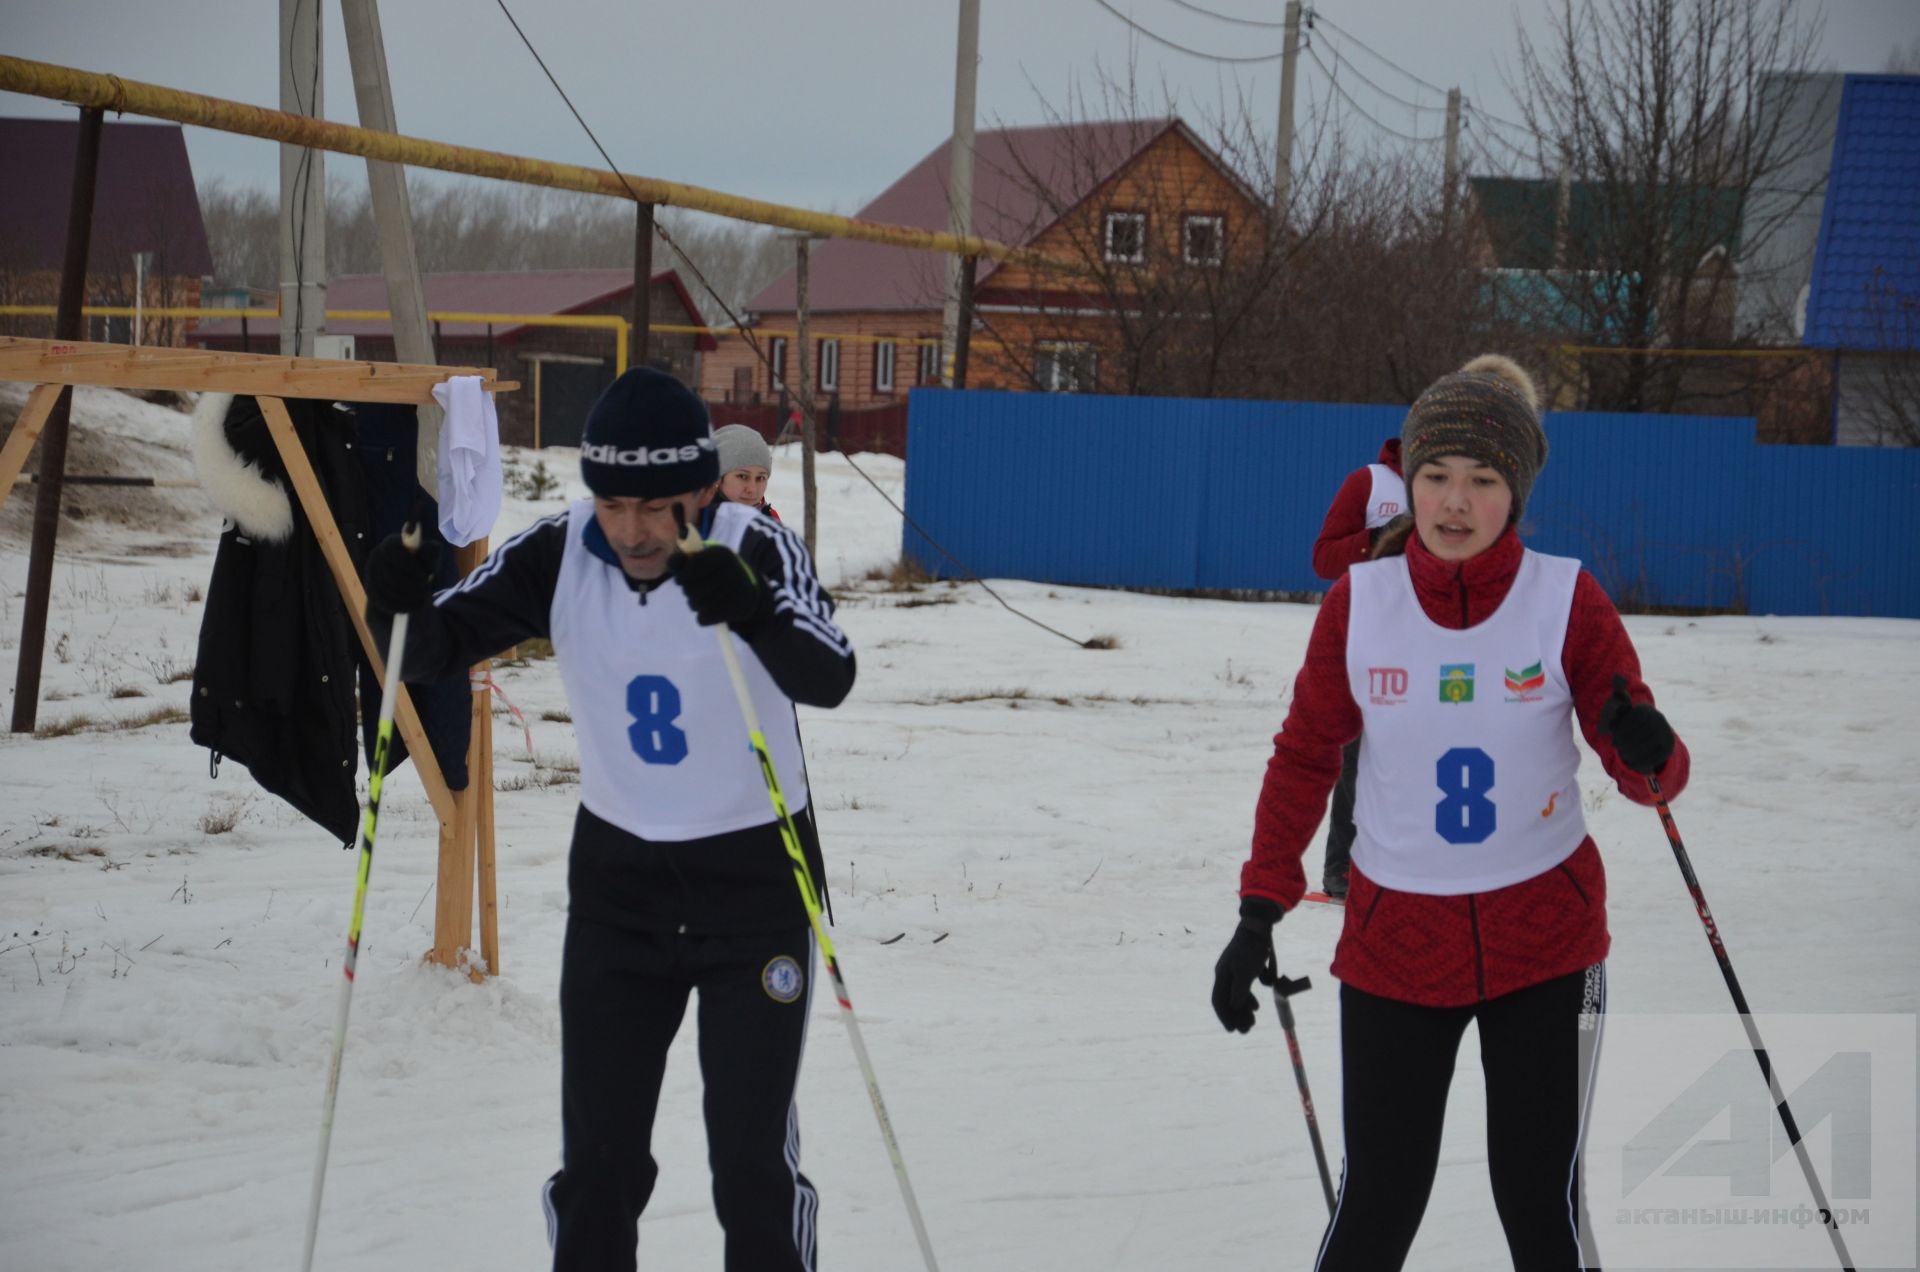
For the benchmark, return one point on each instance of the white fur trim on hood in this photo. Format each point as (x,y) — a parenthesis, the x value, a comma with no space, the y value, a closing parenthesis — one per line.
(258,504)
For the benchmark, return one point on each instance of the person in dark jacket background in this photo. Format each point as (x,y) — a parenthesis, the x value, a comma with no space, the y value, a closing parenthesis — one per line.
(1477,895)
(1369,498)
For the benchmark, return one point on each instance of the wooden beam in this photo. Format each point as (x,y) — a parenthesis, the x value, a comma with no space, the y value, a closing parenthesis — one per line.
(480,777)
(118,366)
(453,906)
(313,501)
(26,429)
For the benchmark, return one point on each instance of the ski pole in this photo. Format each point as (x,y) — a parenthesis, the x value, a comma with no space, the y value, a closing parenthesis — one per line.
(690,543)
(383,743)
(1746,1012)
(1283,989)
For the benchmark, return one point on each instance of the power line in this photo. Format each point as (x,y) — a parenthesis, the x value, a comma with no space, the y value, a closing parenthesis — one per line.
(1181,48)
(754,344)
(1497,120)
(1320,17)
(1222,17)
(1384,92)
(1361,110)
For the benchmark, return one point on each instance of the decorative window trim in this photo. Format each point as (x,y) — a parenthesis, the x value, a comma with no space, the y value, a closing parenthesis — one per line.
(1119,216)
(886,356)
(929,362)
(776,363)
(1219,225)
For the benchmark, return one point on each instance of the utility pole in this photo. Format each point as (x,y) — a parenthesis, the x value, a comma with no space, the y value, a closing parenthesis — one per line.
(1452,166)
(803,250)
(1283,147)
(303,186)
(393,222)
(966,67)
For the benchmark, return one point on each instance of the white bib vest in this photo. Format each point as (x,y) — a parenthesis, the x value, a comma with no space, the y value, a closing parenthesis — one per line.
(1468,767)
(1388,498)
(663,750)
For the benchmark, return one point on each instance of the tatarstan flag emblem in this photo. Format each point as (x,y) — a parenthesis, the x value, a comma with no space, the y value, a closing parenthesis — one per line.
(1526,681)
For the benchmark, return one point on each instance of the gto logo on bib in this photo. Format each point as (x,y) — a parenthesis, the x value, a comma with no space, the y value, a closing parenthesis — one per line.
(782,979)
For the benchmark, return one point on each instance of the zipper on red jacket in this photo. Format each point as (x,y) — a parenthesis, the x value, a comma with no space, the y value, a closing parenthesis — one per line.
(1479,954)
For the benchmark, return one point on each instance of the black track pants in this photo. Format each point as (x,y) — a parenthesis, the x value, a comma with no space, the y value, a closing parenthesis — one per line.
(1396,1063)
(622,996)
(1340,829)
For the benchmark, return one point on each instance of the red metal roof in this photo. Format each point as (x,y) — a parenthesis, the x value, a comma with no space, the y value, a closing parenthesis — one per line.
(1010,167)
(540,291)
(144,200)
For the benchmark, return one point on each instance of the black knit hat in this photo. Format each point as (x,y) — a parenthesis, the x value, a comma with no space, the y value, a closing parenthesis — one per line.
(648,437)
(1489,411)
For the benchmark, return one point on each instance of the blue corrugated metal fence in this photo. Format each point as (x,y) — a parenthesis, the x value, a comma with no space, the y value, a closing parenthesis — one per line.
(1177,493)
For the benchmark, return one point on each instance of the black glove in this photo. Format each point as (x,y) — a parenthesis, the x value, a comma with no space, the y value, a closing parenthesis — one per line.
(1248,956)
(722,588)
(1640,733)
(399,578)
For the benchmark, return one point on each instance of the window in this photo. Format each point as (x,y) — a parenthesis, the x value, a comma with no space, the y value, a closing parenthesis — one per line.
(1202,239)
(1126,237)
(777,364)
(829,365)
(930,360)
(883,358)
(1064,367)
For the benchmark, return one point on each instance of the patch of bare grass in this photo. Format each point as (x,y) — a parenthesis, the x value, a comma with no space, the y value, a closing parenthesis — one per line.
(127,691)
(904,575)
(556,716)
(84,723)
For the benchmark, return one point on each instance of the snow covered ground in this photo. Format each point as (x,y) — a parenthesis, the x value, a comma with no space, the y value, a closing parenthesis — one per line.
(1071,821)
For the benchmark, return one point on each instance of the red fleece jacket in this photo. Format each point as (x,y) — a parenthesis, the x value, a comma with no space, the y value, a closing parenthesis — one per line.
(1452,950)
(1344,538)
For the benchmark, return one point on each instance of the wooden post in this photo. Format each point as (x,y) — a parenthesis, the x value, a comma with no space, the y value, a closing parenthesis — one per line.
(53,453)
(642,345)
(453,902)
(480,777)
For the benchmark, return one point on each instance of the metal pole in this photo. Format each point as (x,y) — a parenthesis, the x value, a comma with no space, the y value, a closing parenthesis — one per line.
(803,249)
(53,439)
(642,285)
(303,186)
(1452,165)
(960,182)
(393,222)
(1283,146)
(140,260)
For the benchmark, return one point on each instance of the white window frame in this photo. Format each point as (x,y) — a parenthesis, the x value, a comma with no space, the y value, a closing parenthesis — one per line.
(929,368)
(776,363)
(829,365)
(1065,366)
(885,357)
(1139,222)
(1219,224)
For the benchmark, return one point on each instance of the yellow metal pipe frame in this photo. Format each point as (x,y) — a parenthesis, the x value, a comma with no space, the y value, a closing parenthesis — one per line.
(125,96)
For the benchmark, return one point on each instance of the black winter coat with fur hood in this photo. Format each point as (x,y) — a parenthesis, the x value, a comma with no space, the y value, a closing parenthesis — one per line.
(273,686)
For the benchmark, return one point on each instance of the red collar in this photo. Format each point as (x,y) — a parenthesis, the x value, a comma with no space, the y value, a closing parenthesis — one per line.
(1461,593)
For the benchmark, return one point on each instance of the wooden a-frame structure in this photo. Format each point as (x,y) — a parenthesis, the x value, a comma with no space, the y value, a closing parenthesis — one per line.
(465,817)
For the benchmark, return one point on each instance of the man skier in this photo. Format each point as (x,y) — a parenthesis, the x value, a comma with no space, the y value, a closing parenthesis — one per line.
(677,876)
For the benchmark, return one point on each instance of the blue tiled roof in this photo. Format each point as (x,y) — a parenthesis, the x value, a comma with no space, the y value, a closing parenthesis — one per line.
(1865,291)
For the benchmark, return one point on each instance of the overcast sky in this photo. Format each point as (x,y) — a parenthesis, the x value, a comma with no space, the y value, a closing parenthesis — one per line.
(820,103)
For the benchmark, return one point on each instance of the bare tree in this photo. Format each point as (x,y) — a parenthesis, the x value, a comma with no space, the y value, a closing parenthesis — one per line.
(1882,387)
(1654,111)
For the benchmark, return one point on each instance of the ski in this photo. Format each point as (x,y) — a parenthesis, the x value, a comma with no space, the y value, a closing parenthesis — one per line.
(898,937)
(1321,898)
